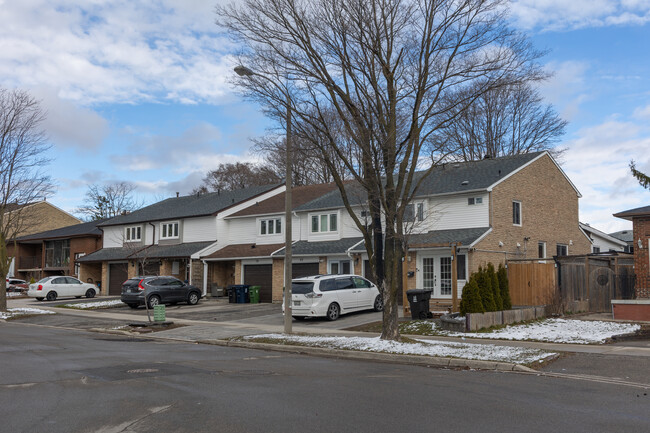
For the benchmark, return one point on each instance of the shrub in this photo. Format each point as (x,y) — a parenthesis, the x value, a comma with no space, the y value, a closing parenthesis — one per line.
(470,301)
(496,292)
(504,288)
(485,288)
(32,280)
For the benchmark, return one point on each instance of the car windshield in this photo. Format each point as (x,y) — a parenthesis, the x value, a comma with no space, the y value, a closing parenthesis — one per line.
(302,287)
(45,280)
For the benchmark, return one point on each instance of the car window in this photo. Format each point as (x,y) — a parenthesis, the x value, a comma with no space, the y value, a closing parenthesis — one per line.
(361,282)
(173,282)
(71,280)
(327,285)
(60,280)
(45,280)
(344,283)
(302,287)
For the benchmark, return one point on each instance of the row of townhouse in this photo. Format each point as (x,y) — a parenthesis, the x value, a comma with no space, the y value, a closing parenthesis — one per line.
(464,216)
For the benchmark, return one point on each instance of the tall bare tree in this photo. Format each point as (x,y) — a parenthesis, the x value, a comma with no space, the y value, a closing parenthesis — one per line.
(22,147)
(109,200)
(505,121)
(233,176)
(394,72)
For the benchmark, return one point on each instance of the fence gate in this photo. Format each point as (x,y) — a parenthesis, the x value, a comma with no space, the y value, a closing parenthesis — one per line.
(532,282)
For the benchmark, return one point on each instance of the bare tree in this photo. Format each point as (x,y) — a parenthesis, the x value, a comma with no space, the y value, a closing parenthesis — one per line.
(509,120)
(394,72)
(644,179)
(109,200)
(22,147)
(230,177)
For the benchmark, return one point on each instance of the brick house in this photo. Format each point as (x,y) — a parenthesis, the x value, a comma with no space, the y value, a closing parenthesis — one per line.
(166,238)
(56,252)
(640,218)
(464,216)
(36,217)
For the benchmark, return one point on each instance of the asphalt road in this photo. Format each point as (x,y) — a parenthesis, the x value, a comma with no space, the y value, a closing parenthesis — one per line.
(56,380)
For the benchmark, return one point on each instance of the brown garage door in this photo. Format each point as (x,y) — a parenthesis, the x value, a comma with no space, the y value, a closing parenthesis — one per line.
(260,275)
(304,270)
(117,274)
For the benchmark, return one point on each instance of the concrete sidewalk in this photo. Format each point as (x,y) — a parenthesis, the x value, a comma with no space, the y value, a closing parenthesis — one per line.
(201,330)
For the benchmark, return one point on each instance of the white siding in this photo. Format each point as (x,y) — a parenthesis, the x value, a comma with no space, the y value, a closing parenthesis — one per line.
(237,231)
(198,229)
(445,213)
(113,236)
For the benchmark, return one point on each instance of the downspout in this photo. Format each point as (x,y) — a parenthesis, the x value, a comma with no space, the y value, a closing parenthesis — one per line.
(205,277)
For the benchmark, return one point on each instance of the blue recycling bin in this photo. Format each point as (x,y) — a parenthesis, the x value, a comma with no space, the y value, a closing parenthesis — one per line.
(240,293)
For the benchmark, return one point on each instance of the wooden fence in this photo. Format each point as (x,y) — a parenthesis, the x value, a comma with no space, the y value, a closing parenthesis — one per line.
(532,282)
(590,281)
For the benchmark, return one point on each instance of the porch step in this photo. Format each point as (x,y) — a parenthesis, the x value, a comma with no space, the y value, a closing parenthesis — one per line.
(438,307)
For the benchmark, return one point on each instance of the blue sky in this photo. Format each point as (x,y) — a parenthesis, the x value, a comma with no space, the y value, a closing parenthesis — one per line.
(139,91)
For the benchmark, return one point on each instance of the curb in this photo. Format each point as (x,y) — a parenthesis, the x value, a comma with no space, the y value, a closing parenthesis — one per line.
(389,358)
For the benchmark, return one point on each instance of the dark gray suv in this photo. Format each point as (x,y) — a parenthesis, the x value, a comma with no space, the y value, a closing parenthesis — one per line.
(158,290)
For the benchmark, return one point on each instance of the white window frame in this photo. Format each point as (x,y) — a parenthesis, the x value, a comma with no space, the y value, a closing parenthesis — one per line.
(473,201)
(131,232)
(339,265)
(520,214)
(328,218)
(274,223)
(174,225)
(543,244)
(418,211)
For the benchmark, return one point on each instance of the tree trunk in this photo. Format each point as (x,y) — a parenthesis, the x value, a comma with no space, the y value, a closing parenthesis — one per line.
(390,325)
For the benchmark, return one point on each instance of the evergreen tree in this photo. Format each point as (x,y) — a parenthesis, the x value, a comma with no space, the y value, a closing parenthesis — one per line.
(496,292)
(502,275)
(470,301)
(485,288)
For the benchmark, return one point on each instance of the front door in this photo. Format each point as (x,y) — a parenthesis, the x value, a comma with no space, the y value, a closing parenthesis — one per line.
(436,275)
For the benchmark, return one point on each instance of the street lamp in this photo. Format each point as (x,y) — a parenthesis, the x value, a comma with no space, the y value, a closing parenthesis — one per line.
(243,71)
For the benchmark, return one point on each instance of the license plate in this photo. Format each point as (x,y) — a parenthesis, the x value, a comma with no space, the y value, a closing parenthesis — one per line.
(296,302)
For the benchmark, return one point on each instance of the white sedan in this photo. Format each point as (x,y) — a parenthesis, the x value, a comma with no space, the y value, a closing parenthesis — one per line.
(51,288)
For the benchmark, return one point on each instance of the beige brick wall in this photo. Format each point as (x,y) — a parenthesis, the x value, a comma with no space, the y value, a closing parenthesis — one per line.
(104,288)
(90,270)
(642,257)
(322,265)
(549,213)
(277,283)
(238,271)
(197,274)
(43,216)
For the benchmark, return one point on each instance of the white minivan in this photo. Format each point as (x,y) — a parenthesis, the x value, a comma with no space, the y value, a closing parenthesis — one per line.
(332,295)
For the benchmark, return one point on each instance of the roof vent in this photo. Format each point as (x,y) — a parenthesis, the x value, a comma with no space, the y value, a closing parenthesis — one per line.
(465,182)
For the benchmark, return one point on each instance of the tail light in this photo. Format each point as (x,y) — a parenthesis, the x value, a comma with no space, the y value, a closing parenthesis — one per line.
(313,295)
(140,286)
(40,287)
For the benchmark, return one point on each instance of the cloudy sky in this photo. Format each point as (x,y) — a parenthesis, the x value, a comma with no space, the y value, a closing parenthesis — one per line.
(138,91)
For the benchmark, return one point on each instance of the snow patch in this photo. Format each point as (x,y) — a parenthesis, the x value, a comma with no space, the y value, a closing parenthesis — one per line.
(483,352)
(15,312)
(98,304)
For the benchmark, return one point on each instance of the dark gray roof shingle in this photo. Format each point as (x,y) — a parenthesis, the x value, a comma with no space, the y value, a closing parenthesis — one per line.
(305,248)
(189,206)
(75,230)
(107,254)
(462,237)
(444,179)
(170,251)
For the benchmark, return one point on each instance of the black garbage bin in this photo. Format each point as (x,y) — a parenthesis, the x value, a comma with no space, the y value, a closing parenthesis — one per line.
(232,294)
(419,303)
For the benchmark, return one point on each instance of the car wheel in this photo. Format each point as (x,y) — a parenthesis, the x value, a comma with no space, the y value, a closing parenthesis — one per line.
(51,296)
(154,300)
(333,311)
(379,304)
(193,298)
(39,299)
(90,293)
(132,305)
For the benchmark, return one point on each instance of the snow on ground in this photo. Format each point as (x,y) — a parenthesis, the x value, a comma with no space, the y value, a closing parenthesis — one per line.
(552,331)
(484,352)
(97,304)
(14,312)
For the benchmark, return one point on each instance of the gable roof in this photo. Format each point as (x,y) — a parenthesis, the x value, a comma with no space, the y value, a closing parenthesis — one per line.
(190,206)
(299,196)
(629,214)
(73,231)
(593,231)
(447,178)
(624,235)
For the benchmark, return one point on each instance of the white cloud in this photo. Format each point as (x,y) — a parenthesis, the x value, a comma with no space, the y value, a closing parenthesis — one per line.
(117,51)
(597,161)
(566,89)
(573,14)
(642,113)
(69,125)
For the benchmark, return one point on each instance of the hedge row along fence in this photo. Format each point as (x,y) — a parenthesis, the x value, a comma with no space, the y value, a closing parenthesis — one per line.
(487,290)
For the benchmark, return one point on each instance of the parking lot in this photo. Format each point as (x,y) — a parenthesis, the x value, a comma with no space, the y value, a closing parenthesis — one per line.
(209,309)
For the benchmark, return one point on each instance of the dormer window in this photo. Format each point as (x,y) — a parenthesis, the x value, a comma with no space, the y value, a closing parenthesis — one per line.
(414,212)
(169,230)
(324,223)
(133,234)
(270,226)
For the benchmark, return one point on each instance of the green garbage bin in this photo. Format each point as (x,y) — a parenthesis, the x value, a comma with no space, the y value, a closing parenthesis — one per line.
(254,293)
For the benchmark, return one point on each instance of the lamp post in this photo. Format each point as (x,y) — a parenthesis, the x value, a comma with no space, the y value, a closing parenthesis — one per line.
(243,71)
